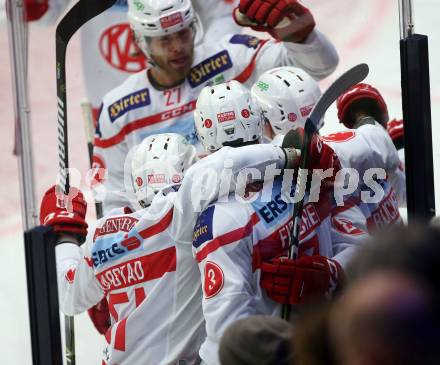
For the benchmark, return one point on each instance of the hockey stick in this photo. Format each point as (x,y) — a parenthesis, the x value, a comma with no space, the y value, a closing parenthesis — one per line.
(86,108)
(79,14)
(339,86)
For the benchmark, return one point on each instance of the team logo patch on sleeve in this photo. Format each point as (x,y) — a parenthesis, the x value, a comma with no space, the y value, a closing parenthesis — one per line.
(133,101)
(209,68)
(245,39)
(203,227)
(214,279)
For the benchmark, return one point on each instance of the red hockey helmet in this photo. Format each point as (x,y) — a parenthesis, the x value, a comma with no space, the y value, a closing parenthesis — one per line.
(358,92)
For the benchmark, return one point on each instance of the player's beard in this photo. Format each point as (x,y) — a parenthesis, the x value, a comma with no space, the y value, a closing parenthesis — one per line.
(174,68)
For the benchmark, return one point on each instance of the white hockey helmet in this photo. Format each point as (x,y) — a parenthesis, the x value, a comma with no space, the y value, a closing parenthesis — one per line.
(286,96)
(156,18)
(160,162)
(226,115)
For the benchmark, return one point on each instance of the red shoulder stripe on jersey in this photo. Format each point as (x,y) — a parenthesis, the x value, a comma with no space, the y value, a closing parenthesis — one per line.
(160,226)
(247,72)
(138,270)
(144,122)
(227,238)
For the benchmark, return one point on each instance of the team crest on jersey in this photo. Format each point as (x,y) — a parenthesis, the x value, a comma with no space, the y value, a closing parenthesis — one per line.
(209,68)
(203,227)
(245,39)
(135,100)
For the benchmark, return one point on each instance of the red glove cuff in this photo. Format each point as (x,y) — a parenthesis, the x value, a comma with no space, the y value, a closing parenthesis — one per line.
(66,214)
(283,19)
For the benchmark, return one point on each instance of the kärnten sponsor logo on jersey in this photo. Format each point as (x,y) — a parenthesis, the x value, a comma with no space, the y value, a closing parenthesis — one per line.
(209,68)
(132,101)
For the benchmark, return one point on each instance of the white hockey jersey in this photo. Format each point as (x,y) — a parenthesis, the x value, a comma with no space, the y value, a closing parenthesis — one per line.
(135,109)
(366,147)
(109,54)
(143,263)
(232,239)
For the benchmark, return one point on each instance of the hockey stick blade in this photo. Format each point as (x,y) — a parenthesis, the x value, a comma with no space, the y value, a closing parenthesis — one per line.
(348,79)
(78,15)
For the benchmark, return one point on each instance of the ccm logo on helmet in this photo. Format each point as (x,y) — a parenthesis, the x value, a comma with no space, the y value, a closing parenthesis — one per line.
(133,101)
(209,68)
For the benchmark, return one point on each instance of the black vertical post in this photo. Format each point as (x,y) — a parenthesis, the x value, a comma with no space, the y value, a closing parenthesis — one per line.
(43,296)
(416,108)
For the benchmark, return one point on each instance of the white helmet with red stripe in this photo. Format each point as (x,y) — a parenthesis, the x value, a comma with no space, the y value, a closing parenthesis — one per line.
(226,115)
(156,18)
(160,162)
(286,96)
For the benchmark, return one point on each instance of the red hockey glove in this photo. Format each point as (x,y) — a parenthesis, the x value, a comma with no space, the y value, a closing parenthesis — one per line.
(100,316)
(396,132)
(286,20)
(297,281)
(66,214)
(35,9)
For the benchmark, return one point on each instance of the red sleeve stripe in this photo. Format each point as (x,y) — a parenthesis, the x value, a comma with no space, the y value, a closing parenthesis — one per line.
(144,122)
(247,72)
(159,227)
(143,269)
(227,238)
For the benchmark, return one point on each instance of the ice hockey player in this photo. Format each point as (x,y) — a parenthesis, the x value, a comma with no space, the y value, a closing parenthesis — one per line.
(163,98)
(142,261)
(107,45)
(287,98)
(234,238)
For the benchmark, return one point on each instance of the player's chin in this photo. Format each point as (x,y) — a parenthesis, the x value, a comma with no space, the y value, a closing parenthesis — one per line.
(180,65)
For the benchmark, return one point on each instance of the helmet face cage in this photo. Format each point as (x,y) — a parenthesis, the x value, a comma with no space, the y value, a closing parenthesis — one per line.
(286,96)
(226,115)
(160,162)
